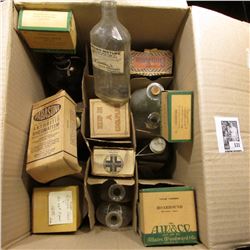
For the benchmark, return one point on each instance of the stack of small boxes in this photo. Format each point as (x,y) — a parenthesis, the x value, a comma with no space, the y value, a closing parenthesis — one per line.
(110,174)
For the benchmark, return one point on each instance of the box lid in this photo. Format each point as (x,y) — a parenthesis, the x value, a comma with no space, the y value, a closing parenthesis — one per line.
(41,20)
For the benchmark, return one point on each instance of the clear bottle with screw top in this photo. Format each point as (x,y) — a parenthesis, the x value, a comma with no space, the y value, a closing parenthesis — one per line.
(145,106)
(113,215)
(110,50)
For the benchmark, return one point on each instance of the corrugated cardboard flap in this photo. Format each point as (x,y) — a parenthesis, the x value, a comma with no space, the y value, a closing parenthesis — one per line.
(125,182)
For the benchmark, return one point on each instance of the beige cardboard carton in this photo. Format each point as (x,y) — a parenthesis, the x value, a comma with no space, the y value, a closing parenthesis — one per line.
(211,59)
(113,162)
(107,121)
(52,151)
(48,31)
(151,62)
(56,209)
(167,216)
(177,115)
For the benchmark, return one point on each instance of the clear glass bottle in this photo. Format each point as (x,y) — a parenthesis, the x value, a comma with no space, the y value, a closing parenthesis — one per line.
(110,50)
(113,192)
(113,215)
(145,106)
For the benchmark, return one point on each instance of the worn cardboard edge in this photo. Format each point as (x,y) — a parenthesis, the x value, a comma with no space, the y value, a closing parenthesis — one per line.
(149,4)
(96,181)
(155,182)
(90,205)
(59,94)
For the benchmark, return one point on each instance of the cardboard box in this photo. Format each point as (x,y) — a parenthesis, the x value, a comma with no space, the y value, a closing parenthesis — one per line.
(167,216)
(56,209)
(107,121)
(177,115)
(113,162)
(205,62)
(48,31)
(52,151)
(151,62)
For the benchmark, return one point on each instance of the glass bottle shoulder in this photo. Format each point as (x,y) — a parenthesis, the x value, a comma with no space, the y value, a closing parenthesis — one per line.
(113,31)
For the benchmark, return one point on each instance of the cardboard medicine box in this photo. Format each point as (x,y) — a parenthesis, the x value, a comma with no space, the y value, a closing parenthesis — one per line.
(107,121)
(177,115)
(167,216)
(48,31)
(52,150)
(113,162)
(56,209)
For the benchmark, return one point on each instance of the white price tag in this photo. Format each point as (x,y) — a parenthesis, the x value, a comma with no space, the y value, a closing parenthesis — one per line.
(228,134)
(60,208)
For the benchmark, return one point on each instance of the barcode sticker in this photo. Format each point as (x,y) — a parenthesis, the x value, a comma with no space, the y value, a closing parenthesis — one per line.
(228,134)
(60,208)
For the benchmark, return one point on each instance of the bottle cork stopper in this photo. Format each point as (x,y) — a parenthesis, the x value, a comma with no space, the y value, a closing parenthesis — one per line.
(155,90)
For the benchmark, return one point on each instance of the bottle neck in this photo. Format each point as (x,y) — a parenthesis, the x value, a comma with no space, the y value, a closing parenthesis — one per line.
(109,10)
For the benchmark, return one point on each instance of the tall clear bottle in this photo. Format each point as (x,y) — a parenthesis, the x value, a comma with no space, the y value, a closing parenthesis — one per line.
(110,49)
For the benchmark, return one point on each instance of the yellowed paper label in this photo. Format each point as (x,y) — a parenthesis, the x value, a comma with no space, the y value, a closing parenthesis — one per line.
(108,60)
(45,137)
(113,162)
(108,121)
(60,208)
(48,19)
(181,117)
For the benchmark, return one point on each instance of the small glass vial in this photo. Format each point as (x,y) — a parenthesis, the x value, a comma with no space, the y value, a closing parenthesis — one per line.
(145,106)
(113,215)
(113,192)
(110,50)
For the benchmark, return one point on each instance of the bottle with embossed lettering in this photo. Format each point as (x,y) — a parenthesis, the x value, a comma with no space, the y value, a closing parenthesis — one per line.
(110,50)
